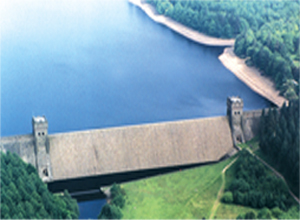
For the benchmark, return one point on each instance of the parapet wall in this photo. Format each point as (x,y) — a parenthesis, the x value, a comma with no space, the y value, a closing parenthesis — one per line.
(250,123)
(23,145)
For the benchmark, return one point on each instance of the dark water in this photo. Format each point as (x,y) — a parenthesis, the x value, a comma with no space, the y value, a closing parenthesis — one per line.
(94,64)
(90,209)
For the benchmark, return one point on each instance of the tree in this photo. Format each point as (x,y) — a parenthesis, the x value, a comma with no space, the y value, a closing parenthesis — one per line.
(250,215)
(276,212)
(29,209)
(227,197)
(110,212)
(4,210)
(118,201)
(27,196)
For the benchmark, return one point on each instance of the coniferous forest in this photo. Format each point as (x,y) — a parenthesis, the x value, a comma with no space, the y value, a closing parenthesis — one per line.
(25,196)
(266,32)
(279,139)
(255,186)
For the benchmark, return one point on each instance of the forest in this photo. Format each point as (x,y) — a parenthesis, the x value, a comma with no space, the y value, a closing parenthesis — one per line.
(25,196)
(257,187)
(266,32)
(279,140)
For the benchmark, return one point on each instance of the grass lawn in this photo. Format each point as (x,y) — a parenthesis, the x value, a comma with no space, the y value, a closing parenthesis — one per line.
(188,194)
(254,143)
(185,194)
(231,211)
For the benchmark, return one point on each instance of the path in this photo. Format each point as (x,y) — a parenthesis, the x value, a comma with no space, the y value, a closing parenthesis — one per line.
(276,173)
(217,202)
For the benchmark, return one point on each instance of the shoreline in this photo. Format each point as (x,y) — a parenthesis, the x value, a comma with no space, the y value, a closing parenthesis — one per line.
(248,75)
(180,28)
(251,77)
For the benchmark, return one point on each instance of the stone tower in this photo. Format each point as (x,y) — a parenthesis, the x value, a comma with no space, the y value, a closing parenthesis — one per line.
(235,113)
(41,147)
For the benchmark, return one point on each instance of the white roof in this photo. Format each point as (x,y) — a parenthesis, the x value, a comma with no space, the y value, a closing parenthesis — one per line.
(39,119)
(235,99)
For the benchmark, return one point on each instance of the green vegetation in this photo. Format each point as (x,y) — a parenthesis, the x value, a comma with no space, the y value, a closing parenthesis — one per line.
(112,210)
(25,196)
(275,213)
(252,184)
(253,144)
(192,193)
(231,211)
(184,194)
(279,141)
(256,187)
(224,19)
(274,51)
(266,32)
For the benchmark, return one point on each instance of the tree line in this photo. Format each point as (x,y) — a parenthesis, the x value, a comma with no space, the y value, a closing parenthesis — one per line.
(25,196)
(279,140)
(266,32)
(255,186)
(274,51)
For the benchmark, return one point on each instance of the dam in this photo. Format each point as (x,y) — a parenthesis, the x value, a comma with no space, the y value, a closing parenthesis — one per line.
(89,153)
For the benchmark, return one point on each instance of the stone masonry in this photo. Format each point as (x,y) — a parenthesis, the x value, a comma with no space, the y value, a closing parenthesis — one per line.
(131,148)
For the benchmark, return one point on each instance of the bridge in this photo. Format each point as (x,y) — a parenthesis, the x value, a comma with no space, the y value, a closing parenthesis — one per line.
(66,156)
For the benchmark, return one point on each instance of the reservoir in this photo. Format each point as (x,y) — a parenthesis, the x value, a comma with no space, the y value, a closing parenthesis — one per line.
(88,64)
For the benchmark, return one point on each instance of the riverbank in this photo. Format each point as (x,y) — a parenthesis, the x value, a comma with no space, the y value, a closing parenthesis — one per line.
(181,29)
(249,75)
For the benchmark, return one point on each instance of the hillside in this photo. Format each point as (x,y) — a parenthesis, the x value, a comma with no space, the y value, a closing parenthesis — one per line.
(266,33)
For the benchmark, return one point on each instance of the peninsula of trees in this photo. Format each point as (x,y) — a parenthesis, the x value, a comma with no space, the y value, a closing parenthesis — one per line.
(267,33)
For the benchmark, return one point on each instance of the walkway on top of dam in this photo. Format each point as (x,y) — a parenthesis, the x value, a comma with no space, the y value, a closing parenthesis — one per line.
(139,147)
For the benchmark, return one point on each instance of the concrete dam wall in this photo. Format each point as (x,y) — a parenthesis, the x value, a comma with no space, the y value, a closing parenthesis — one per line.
(140,147)
(133,148)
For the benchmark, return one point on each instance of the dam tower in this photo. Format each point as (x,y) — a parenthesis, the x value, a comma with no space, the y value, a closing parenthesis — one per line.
(235,113)
(41,147)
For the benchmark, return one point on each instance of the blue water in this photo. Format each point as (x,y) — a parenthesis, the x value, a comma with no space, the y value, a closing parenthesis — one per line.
(90,209)
(93,64)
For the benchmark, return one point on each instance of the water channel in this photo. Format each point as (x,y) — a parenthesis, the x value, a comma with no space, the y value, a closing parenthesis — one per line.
(88,64)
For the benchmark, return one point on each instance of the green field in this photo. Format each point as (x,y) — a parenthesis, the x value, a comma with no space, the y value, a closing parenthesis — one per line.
(185,194)
(188,194)
(231,211)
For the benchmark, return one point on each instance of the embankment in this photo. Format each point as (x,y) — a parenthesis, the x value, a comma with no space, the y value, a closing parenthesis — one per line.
(250,76)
